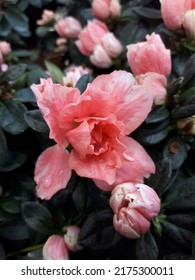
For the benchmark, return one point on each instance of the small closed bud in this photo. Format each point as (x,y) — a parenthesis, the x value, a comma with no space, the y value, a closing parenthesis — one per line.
(189,24)
(68,27)
(100,58)
(47,17)
(5,48)
(71,238)
(103,9)
(55,248)
(111,44)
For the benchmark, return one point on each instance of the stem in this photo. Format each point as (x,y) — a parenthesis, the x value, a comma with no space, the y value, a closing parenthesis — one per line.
(25,250)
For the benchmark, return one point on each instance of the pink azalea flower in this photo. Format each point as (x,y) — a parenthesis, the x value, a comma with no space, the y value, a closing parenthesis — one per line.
(52,172)
(134,205)
(68,27)
(149,56)
(174,11)
(103,9)
(96,124)
(55,248)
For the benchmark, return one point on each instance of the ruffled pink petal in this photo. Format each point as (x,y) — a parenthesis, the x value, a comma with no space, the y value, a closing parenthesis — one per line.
(133,102)
(52,172)
(52,99)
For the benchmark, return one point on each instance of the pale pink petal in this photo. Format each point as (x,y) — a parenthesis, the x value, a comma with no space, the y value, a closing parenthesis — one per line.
(133,102)
(55,248)
(52,172)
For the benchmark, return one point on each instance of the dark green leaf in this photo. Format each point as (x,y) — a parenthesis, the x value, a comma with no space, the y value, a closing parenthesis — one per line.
(15,71)
(36,3)
(186,221)
(182,236)
(184,111)
(38,217)
(178,256)
(14,229)
(9,204)
(193,246)
(175,150)
(189,71)
(12,117)
(35,121)
(2,253)
(146,248)
(188,93)
(3,148)
(5,27)
(160,180)
(24,95)
(154,138)
(13,161)
(34,76)
(148,12)
(98,232)
(83,81)
(42,31)
(54,71)
(17,20)
(157,115)
(182,195)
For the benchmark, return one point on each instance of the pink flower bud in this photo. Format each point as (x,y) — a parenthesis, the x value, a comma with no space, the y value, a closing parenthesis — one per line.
(156,85)
(47,16)
(187,125)
(174,11)
(149,56)
(1,58)
(100,58)
(73,74)
(5,48)
(189,24)
(134,206)
(55,248)
(111,44)
(103,9)
(71,238)
(68,27)
(91,36)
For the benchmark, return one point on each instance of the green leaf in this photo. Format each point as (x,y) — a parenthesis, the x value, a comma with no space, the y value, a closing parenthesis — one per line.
(5,27)
(24,95)
(13,161)
(182,236)
(3,148)
(175,150)
(15,71)
(33,77)
(154,138)
(160,181)
(148,12)
(10,205)
(54,71)
(41,31)
(2,253)
(157,115)
(146,247)
(189,72)
(35,120)
(38,217)
(98,233)
(190,92)
(186,220)
(12,117)
(83,82)
(17,20)
(193,246)
(14,229)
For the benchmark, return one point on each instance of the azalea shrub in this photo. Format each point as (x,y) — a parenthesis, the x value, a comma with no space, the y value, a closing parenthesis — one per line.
(97,125)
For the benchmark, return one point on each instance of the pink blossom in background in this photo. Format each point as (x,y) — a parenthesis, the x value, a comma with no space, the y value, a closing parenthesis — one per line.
(68,27)
(71,238)
(149,56)
(47,16)
(134,205)
(96,125)
(55,249)
(73,74)
(52,172)
(189,24)
(1,58)
(103,9)
(156,84)
(174,11)
(111,45)
(91,36)
(100,58)
(5,48)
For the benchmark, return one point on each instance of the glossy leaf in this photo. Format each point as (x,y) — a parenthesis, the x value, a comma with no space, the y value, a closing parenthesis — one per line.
(98,233)
(3,148)
(14,229)
(35,120)
(146,247)
(54,71)
(83,81)
(24,95)
(13,161)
